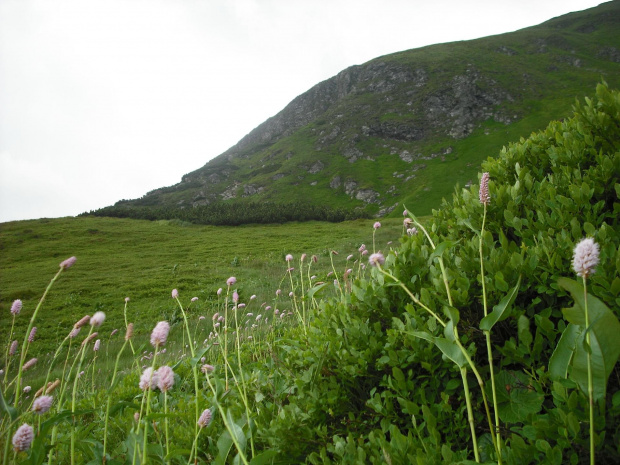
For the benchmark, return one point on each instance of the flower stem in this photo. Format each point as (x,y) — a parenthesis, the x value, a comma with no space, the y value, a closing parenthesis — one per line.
(590,375)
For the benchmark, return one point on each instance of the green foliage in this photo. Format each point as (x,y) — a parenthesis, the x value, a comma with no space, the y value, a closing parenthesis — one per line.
(233,214)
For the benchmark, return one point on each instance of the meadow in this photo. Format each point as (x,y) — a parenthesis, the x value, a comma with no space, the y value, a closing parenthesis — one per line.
(486,333)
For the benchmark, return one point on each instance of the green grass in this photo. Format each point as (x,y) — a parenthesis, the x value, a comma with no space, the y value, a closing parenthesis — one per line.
(118,258)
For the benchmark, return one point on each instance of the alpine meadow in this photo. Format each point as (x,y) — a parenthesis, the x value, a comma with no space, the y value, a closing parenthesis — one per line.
(248,316)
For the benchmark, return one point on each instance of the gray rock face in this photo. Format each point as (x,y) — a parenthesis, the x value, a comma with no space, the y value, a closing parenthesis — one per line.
(318,166)
(335,183)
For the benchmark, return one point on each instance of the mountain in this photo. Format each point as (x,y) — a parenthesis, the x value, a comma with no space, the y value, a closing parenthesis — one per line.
(410,126)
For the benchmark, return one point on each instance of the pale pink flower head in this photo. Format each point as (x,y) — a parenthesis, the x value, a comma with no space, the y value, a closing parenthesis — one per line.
(27,389)
(97,345)
(29,364)
(207,368)
(407,222)
(114,332)
(278,292)
(377,225)
(68,263)
(74,332)
(160,334)
(303,257)
(165,378)
(97,319)
(13,348)
(290,294)
(42,404)
(219,291)
(126,299)
(376,259)
(85,319)
(129,331)
(194,299)
(362,248)
(205,418)
(241,305)
(23,438)
(405,212)
(16,307)
(484,189)
(235,297)
(289,258)
(412,231)
(148,379)
(349,257)
(231,281)
(32,334)
(252,297)
(585,257)
(175,294)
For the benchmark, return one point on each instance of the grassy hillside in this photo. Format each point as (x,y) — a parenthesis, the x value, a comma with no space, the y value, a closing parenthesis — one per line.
(412,125)
(144,260)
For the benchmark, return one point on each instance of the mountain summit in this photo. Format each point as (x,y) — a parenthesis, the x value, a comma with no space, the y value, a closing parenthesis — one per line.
(410,126)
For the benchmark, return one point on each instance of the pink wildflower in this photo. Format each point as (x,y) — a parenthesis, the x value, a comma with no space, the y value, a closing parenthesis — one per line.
(85,319)
(377,225)
(126,299)
(23,437)
(194,299)
(74,332)
(205,418)
(160,334)
(349,257)
(207,368)
(219,291)
(585,257)
(235,297)
(278,292)
(29,364)
(13,348)
(252,297)
(175,294)
(484,189)
(289,258)
(129,331)
(97,319)
(42,404)
(16,307)
(68,263)
(231,281)
(114,332)
(97,345)
(148,379)
(165,378)
(303,257)
(33,332)
(376,259)
(362,248)
(27,389)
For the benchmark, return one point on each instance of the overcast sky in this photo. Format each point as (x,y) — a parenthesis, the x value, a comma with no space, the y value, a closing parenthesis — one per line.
(102,100)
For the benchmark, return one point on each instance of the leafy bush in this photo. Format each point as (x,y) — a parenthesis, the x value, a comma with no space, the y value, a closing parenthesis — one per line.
(369,392)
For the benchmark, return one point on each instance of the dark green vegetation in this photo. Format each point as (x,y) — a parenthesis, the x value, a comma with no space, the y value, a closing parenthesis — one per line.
(354,382)
(405,127)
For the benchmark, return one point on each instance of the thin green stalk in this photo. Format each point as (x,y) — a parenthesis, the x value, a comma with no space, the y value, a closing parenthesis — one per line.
(148,406)
(107,409)
(470,414)
(590,375)
(243,387)
(74,392)
(226,424)
(195,362)
(25,343)
(487,335)
(7,360)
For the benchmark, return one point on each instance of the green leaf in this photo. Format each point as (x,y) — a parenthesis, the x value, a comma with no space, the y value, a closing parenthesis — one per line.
(502,310)
(448,348)
(516,398)
(563,354)
(316,289)
(441,248)
(264,458)
(603,332)
(6,408)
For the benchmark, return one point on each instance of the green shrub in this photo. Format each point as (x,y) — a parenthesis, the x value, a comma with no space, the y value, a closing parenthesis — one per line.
(364,383)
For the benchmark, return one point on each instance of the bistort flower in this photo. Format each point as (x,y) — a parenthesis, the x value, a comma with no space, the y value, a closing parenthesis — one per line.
(484,189)
(16,307)
(376,259)
(585,257)
(23,437)
(160,334)
(42,404)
